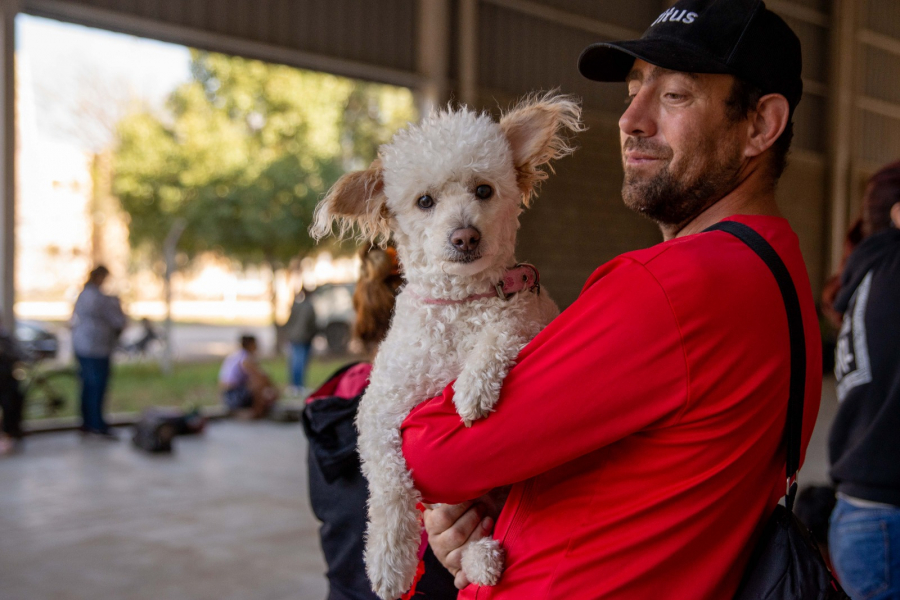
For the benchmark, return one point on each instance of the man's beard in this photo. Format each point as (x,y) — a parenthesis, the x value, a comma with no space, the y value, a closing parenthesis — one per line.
(670,198)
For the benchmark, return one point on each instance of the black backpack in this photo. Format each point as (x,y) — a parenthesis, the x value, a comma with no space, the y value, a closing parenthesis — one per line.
(328,422)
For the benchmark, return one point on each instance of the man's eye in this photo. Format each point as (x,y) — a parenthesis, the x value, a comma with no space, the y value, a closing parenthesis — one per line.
(675,96)
(425,202)
(629,99)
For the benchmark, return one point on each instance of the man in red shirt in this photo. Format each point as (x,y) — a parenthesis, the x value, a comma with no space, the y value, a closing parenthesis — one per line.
(641,431)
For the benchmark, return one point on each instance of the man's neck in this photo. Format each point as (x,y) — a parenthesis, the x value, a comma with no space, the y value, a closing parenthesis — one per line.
(752,196)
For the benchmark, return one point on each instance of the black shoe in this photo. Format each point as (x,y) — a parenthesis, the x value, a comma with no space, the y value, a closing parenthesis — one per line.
(9,445)
(108,435)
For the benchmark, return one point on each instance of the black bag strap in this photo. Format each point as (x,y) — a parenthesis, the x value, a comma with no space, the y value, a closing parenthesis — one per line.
(794,429)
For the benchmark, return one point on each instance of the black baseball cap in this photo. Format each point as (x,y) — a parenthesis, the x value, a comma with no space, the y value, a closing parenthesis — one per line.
(736,37)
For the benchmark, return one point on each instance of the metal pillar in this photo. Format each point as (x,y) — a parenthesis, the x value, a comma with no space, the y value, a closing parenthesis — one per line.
(468,52)
(8,10)
(843,89)
(433,54)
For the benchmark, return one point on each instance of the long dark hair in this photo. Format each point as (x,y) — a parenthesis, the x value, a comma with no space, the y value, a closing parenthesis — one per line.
(97,275)
(882,193)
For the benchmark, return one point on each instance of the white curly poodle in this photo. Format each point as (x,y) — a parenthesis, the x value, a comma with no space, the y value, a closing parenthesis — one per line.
(449,191)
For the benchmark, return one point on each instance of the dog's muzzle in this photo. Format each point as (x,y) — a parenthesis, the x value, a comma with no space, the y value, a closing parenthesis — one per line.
(464,244)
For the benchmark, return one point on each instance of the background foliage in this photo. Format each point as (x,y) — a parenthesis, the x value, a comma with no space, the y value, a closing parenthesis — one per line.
(242,154)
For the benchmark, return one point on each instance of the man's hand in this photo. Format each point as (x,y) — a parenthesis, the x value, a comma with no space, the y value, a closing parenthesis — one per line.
(451,526)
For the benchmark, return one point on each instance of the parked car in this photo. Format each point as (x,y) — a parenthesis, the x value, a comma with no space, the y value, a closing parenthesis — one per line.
(334,314)
(36,340)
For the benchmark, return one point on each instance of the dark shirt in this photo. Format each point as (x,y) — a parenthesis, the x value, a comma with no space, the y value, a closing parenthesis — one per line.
(865,438)
(301,325)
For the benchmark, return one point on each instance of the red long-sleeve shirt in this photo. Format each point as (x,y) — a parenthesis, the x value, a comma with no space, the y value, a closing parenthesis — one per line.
(641,429)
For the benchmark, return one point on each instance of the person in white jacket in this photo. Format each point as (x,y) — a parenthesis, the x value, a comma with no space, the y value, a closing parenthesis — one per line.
(97,322)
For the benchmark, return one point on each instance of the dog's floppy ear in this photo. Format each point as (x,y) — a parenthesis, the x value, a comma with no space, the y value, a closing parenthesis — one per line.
(535,129)
(358,199)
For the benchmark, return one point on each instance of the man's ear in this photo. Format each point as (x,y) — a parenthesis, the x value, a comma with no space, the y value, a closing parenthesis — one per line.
(535,131)
(766,123)
(357,199)
(895,214)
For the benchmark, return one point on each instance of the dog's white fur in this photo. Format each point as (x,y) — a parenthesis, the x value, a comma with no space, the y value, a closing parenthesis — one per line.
(429,345)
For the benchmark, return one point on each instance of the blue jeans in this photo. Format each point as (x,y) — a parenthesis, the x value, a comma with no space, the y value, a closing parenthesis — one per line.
(299,358)
(237,398)
(94,375)
(864,544)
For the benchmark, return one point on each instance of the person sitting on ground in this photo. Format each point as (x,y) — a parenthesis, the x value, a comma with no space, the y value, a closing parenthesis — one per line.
(246,389)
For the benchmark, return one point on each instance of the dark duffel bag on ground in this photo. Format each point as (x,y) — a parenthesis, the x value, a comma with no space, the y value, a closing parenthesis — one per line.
(153,433)
(157,426)
(786,563)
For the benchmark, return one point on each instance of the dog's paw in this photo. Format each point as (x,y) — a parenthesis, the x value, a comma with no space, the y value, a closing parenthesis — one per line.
(392,550)
(388,582)
(482,561)
(474,397)
(387,590)
(470,414)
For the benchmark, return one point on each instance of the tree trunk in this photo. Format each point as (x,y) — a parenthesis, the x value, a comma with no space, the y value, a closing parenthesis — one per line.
(169,249)
(273,306)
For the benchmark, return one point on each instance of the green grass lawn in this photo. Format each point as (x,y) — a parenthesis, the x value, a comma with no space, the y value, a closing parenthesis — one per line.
(134,387)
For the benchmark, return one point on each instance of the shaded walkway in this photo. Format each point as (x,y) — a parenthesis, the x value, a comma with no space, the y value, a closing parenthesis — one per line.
(226,517)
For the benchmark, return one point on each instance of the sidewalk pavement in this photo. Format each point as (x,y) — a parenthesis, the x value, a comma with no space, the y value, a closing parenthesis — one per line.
(815,469)
(226,517)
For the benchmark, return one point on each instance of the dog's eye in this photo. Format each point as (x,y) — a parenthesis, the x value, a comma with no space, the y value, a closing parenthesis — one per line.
(483,192)
(425,202)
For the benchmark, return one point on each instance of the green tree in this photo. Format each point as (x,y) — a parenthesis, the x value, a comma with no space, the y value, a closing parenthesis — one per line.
(242,154)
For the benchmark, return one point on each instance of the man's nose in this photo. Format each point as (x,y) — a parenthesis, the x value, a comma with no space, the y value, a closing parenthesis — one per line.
(638,119)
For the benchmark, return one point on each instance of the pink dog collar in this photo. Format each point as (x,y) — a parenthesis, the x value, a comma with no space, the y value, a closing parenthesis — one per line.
(522,277)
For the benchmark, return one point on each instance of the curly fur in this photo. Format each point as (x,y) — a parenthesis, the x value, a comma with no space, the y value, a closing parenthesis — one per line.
(482,561)
(429,345)
(566,114)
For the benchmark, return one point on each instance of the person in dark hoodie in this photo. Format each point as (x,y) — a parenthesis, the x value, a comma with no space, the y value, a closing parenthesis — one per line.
(864,443)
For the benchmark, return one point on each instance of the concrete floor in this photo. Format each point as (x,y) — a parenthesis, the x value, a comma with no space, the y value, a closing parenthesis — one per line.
(226,517)
(815,470)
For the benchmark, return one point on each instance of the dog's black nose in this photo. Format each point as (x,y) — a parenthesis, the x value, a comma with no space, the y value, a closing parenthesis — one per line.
(465,239)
